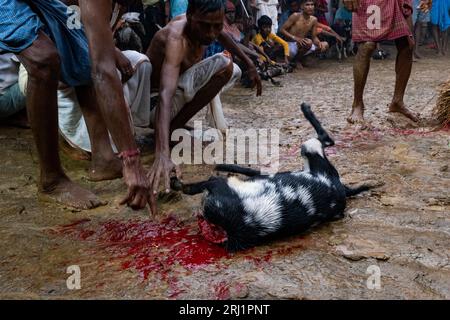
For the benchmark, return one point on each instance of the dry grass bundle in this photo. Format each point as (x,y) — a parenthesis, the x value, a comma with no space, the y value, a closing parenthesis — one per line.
(442,110)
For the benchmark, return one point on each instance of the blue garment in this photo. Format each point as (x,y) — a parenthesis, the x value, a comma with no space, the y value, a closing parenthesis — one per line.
(343,14)
(11,101)
(440,14)
(20,25)
(213,48)
(283,18)
(178,7)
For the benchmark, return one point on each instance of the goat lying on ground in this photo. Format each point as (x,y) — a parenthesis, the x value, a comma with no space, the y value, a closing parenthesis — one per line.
(244,213)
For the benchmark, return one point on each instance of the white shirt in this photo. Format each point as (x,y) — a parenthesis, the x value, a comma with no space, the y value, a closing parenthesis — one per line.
(9,71)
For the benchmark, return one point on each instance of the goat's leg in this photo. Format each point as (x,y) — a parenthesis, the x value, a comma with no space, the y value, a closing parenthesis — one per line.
(323,136)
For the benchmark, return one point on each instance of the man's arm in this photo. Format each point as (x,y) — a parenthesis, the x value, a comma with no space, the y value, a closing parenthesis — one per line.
(231,46)
(170,73)
(110,97)
(287,26)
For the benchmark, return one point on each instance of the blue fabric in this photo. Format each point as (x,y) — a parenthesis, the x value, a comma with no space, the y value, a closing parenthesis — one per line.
(178,7)
(18,32)
(343,14)
(11,101)
(214,48)
(19,26)
(440,14)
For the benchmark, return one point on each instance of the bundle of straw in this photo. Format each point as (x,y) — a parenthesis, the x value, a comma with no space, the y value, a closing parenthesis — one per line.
(442,110)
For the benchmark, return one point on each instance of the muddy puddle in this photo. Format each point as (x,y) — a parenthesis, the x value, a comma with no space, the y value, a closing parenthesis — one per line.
(402,227)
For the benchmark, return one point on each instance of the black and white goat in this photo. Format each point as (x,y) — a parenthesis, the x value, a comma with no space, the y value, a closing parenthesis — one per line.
(244,213)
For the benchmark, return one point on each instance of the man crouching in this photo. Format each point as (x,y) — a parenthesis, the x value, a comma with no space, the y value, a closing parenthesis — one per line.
(185,80)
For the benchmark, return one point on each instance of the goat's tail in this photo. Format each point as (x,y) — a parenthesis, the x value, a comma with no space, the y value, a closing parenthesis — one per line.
(350,192)
(249,172)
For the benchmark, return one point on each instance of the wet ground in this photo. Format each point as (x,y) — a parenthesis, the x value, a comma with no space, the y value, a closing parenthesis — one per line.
(402,227)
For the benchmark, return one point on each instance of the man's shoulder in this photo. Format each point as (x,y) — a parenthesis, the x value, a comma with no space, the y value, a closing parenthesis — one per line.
(174,31)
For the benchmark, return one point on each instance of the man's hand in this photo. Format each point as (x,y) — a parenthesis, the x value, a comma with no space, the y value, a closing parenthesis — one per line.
(138,186)
(162,166)
(255,79)
(124,66)
(351,5)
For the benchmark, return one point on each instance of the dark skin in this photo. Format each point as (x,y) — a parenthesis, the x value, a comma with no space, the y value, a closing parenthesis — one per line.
(299,25)
(361,68)
(176,48)
(42,63)
(109,92)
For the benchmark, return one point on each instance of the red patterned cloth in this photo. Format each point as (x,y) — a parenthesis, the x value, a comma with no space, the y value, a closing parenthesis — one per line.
(393,20)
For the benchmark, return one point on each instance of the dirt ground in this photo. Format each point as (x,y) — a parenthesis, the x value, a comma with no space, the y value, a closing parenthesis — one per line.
(402,227)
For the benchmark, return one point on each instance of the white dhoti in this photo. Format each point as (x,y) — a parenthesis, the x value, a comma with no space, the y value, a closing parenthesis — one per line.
(136,93)
(194,79)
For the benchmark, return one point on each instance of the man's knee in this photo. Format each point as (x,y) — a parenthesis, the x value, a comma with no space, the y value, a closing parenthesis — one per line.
(369,46)
(226,73)
(44,64)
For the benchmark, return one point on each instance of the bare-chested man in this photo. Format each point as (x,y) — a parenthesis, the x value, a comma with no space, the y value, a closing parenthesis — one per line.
(186,82)
(48,54)
(300,30)
(395,24)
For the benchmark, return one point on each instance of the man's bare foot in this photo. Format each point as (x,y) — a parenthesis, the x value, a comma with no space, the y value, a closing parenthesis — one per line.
(68,193)
(357,115)
(107,170)
(399,107)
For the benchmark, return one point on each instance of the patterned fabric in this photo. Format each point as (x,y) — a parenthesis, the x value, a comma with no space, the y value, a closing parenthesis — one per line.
(20,23)
(440,14)
(393,20)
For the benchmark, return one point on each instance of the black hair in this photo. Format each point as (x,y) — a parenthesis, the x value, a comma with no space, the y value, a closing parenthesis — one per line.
(302,2)
(205,6)
(264,21)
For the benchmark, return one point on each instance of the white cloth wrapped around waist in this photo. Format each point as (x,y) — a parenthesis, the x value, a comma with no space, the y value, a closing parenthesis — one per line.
(136,93)
(194,79)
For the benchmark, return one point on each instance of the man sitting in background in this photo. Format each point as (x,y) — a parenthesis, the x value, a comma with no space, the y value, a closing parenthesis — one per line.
(302,33)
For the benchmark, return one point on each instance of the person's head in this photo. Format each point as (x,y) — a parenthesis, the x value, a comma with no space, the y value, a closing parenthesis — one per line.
(205,19)
(307,7)
(265,26)
(230,12)
(294,6)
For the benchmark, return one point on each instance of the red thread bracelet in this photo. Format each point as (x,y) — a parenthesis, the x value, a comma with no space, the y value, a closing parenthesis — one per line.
(129,154)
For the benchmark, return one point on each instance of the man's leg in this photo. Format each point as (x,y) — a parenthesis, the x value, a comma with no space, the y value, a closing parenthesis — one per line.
(361,68)
(437,38)
(403,67)
(42,63)
(203,97)
(104,163)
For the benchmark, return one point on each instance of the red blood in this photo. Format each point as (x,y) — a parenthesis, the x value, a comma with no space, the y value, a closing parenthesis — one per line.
(211,232)
(148,246)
